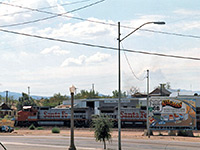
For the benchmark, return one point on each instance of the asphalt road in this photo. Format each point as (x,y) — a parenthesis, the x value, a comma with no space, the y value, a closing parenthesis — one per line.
(86,143)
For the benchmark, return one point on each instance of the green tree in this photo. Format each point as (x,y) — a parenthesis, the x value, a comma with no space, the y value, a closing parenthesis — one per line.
(1,99)
(168,85)
(84,94)
(102,128)
(12,101)
(164,85)
(133,90)
(56,100)
(25,100)
(116,94)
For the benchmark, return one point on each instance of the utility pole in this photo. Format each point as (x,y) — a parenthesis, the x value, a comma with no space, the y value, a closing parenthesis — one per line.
(119,73)
(72,145)
(28,93)
(6,97)
(148,131)
(119,90)
(92,87)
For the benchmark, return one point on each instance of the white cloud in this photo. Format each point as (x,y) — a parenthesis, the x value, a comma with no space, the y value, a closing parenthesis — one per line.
(56,50)
(11,14)
(82,60)
(73,61)
(25,62)
(84,30)
(98,57)
(187,12)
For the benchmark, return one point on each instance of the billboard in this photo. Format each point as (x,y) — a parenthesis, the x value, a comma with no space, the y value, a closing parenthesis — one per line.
(172,113)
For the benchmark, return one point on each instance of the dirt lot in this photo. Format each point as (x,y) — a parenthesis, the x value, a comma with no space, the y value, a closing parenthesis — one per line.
(125,133)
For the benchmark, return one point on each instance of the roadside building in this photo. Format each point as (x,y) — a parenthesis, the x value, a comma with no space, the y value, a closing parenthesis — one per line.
(160,91)
(6,110)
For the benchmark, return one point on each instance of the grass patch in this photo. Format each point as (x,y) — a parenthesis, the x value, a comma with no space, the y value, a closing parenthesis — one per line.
(55,130)
(40,128)
(188,133)
(198,136)
(160,134)
(31,127)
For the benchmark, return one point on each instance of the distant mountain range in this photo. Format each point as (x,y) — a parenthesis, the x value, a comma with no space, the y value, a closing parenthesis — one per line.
(17,95)
(173,94)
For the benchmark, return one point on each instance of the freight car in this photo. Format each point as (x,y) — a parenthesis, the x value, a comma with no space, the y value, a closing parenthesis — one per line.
(40,116)
(133,113)
(130,117)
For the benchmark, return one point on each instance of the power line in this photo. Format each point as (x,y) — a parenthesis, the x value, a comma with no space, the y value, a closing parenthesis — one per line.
(89,20)
(42,8)
(72,3)
(131,67)
(46,18)
(176,34)
(99,46)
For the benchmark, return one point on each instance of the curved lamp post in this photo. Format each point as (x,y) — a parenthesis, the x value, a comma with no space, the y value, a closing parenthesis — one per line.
(119,77)
(72,91)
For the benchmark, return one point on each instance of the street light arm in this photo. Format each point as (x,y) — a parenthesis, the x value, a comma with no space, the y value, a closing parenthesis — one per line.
(119,75)
(159,23)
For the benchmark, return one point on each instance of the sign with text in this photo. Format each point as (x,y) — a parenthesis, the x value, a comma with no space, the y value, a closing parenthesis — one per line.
(172,113)
(133,114)
(55,114)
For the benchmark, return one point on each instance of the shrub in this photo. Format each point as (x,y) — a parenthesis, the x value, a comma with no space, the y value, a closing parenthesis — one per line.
(160,134)
(182,133)
(172,133)
(40,128)
(146,133)
(185,133)
(55,130)
(32,127)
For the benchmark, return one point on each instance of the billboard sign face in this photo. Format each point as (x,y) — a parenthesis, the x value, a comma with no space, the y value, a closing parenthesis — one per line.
(172,113)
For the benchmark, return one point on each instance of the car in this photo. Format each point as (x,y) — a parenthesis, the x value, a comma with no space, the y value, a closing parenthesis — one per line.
(6,129)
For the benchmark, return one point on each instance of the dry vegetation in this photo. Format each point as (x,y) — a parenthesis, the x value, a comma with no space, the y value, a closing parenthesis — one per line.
(126,134)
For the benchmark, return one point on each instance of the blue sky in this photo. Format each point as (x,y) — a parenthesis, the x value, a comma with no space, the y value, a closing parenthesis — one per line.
(49,67)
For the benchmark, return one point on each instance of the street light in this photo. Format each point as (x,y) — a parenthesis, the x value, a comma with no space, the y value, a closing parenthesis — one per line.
(119,74)
(147,106)
(72,91)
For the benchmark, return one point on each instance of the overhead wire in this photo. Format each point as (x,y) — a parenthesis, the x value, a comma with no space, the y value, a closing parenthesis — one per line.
(89,20)
(99,46)
(42,8)
(65,4)
(142,79)
(46,18)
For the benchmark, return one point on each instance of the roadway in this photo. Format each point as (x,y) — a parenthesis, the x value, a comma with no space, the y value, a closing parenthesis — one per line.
(88,143)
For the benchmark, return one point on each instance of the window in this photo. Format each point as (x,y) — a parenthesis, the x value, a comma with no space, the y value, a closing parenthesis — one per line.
(44,108)
(143,107)
(107,111)
(198,110)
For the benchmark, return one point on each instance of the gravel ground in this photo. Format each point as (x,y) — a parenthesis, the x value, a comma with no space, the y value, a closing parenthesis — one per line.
(125,133)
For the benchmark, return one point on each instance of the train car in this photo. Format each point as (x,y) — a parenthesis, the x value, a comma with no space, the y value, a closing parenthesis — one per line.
(40,116)
(130,117)
(133,113)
